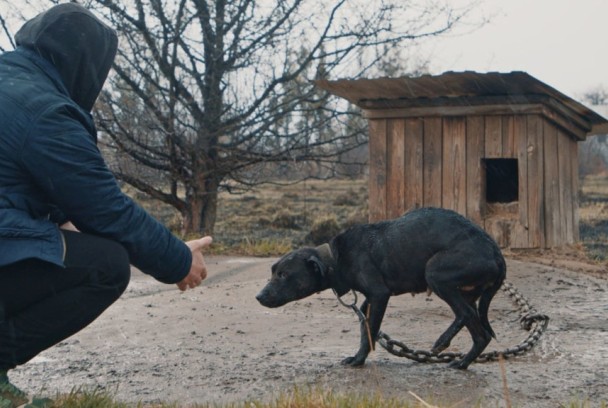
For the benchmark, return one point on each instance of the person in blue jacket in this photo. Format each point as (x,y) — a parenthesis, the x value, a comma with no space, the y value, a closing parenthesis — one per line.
(68,234)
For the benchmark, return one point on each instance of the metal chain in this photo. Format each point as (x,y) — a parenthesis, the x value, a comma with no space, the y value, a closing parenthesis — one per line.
(530,320)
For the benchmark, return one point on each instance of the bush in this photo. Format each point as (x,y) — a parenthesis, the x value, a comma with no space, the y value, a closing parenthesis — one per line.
(264,247)
(359,216)
(287,220)
(323,230)
(349,198)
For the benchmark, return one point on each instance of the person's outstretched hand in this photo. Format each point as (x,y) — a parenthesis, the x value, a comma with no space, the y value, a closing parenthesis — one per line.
(198,270)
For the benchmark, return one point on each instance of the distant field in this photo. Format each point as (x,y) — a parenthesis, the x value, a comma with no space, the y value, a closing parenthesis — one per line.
(290,212)
(593,213)
(271,219)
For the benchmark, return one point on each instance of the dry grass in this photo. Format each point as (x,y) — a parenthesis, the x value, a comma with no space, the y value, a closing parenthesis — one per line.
(285,216)
(301,208)
(296,398)
(593,215)
(272,219)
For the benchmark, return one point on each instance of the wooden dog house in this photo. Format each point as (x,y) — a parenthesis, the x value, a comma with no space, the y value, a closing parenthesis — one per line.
(499,148)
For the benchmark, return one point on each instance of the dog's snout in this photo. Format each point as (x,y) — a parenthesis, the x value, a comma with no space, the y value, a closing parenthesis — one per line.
(264,298)
(260,297)
(268,298)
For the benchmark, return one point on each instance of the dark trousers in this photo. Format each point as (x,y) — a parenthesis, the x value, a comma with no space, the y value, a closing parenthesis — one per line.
(42,304)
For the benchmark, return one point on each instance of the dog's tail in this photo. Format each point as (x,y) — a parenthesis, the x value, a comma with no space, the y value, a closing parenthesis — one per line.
(488,294)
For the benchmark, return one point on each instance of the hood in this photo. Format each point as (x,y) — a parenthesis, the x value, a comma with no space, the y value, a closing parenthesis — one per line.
(77,43)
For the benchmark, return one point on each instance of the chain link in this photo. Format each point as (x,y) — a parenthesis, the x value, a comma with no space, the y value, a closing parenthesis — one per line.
(530,320)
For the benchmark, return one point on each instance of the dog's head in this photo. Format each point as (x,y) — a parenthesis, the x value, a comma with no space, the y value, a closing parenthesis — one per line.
(295,276)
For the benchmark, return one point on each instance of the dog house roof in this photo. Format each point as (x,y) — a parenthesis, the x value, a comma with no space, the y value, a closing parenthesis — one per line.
(458,89)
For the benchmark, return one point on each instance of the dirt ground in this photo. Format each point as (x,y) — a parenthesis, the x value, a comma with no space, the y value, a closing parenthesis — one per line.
(217,344)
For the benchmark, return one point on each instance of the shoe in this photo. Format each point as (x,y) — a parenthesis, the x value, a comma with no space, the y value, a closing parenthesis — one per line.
(10,396)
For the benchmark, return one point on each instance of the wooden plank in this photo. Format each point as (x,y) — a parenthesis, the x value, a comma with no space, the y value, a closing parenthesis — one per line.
(493,137)
(454,164)
(553,213)
(432,162)
(475,182)
(575,197)
(447,170)
(536,215)
(572,123)
(493,149)
(460,164)
(564,144)
(569,123)
(520,235)
(382,112)
(395,183)
(508,136)
(414,151)
(377,170)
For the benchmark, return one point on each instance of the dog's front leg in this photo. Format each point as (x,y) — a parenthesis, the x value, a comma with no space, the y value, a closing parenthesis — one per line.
(373,308)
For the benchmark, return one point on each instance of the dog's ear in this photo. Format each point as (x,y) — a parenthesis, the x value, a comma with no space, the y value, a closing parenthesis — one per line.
(318,265)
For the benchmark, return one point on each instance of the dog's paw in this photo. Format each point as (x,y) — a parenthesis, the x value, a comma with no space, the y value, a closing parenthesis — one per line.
(442,343)
(459,364)
(353,361)
(438,348)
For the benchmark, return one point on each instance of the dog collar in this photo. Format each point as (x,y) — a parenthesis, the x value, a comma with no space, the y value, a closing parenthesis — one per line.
(327,256)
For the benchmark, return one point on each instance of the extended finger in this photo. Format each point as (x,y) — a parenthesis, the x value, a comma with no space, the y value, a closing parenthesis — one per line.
(200,243)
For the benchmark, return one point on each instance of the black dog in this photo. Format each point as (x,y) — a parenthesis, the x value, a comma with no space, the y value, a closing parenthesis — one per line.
(428,249)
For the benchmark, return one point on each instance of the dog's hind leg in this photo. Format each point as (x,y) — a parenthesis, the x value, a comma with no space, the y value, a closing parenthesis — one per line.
(466,315)
(446,276)
(484,305)
(445,339)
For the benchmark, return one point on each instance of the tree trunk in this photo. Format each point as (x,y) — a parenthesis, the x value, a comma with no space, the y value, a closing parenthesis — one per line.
(201,207)
(208,215)
(200,214)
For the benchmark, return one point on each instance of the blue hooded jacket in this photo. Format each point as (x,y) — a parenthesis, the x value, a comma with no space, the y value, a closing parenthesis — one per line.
(51,170)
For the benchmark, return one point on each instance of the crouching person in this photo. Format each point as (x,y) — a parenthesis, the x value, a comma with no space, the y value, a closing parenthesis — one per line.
(55,281)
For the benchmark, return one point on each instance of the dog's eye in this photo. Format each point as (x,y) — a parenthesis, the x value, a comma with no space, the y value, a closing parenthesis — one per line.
(281,274)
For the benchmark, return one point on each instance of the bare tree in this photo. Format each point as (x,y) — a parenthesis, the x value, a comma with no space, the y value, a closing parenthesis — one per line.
(207,93)
(593,152)
(596,96)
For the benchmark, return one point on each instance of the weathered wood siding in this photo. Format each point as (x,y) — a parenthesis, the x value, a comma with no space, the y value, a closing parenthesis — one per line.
(437,161)
(378,170)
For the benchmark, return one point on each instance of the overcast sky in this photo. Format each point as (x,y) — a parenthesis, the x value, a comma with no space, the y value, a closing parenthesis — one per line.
(560,42)
(563,43)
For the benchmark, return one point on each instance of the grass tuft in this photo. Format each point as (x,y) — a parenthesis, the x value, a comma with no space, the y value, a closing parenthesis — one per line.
(262,247)
(296,398)
(87,398)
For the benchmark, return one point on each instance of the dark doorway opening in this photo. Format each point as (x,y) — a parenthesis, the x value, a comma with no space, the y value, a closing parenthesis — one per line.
(502,180)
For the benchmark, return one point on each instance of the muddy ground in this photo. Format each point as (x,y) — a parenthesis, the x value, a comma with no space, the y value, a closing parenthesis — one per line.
(217,344)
